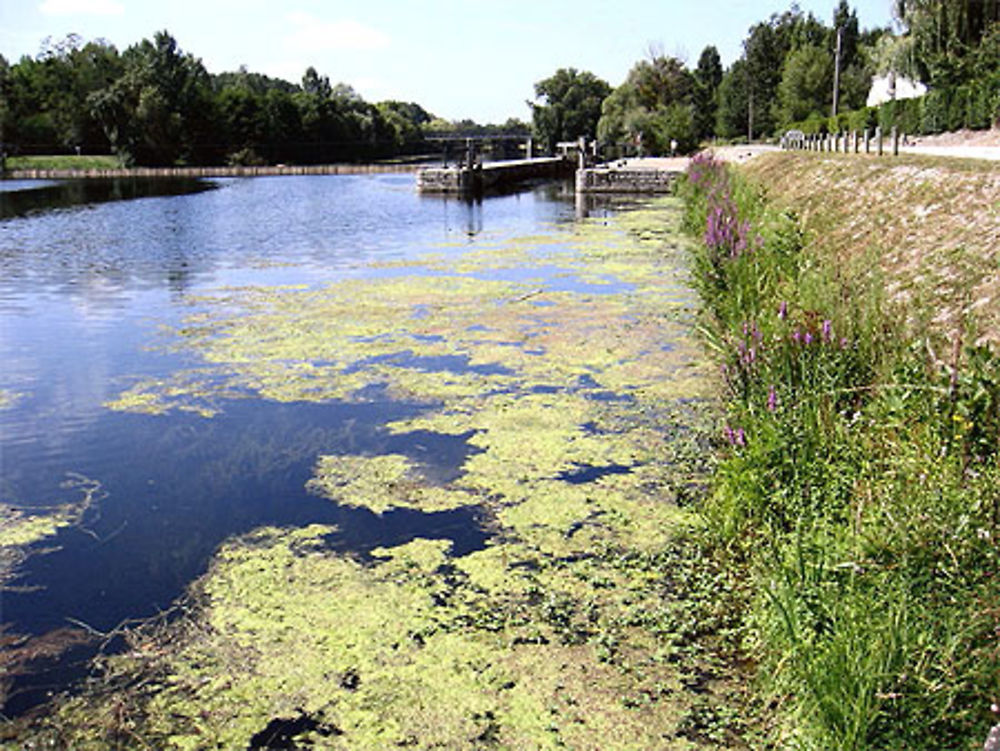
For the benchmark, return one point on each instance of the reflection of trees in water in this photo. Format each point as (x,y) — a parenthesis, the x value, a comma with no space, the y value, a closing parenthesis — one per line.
(70,193)
(93,259)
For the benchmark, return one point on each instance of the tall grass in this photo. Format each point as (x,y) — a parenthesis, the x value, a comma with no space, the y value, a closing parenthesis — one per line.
(859,486)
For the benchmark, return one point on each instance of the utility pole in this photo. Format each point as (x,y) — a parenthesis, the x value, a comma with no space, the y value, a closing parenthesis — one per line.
(836,71)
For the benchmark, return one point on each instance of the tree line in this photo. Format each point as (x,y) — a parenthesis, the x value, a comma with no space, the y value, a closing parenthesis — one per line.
(155,104)
(786,77)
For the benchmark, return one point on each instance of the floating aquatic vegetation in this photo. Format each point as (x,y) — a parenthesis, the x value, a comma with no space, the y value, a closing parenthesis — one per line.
(382,482)
(556,634)
(21,527)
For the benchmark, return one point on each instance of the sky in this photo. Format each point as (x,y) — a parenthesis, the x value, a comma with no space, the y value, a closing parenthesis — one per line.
(476,59)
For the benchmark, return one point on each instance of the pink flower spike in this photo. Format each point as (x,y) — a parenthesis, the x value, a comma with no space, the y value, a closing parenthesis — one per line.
(772,399)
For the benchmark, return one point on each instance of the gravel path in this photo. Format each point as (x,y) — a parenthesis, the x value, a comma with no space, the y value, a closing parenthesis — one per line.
(959,152)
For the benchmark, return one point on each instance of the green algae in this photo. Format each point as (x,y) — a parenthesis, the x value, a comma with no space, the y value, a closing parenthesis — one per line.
(380,483)
(21,528)
(556,634)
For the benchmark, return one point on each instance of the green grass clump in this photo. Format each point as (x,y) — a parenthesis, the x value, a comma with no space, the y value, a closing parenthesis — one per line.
(859,486)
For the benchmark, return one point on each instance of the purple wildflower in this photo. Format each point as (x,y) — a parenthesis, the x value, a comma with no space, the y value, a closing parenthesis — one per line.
(807,339)
(827,330)
(736,437)
(783,310)
(772,399)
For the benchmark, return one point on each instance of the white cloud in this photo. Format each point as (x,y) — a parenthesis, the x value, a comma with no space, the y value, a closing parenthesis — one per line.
(81,8)
(314,35)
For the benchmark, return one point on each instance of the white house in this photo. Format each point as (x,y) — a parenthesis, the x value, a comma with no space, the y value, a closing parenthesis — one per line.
(888,87)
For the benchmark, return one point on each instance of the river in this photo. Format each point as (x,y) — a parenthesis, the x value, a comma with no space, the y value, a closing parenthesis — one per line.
(90,273)
(356,429)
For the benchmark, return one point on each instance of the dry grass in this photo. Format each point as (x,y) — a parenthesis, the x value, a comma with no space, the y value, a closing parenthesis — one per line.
(934,223)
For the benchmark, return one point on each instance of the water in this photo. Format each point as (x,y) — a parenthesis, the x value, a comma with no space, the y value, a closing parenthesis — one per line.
(89,271)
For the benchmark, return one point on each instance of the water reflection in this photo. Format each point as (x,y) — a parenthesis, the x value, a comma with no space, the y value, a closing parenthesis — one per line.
(25,197)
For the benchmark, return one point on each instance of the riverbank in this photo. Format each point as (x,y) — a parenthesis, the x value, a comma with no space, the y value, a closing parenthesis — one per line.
(850,304)
(198,172)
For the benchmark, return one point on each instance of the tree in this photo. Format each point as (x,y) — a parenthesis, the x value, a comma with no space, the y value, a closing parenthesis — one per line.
(944,34)
(46,98)
(570,107)
(764,53)
(652,107)
(734,102)
(405,121)
(316,85)
(160,110)
(6,114)
(707,76)
(243,124)
(846,20)
(806,85)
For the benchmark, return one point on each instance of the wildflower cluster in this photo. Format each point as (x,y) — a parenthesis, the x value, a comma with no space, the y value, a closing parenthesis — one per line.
(725,234)
(791,364)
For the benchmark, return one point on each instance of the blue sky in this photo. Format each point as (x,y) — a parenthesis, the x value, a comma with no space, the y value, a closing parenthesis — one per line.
(458,58)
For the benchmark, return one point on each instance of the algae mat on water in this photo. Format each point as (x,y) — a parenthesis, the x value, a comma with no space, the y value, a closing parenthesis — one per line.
(584,400)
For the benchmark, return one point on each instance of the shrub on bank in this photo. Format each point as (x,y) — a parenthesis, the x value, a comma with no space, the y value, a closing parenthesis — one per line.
(859,485)
(974,106)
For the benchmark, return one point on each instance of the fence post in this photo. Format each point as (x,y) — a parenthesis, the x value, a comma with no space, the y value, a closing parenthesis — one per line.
(895,141)
(878,139)
(868,142)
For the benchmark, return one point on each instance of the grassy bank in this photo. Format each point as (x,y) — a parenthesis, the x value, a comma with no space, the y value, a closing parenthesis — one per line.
(848,305)
(62,162)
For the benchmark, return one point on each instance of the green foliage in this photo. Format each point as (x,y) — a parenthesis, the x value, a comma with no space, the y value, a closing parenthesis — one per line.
(708,78)
(806,84)
(858,485)
(946,36)
(156,105)
(652,108)
(732,120)
(571,108)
